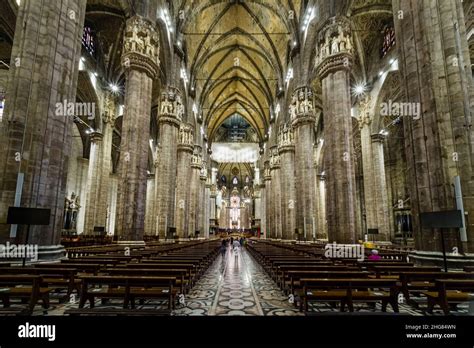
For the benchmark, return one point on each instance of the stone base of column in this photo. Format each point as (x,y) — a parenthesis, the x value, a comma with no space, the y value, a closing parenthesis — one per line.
(435,258)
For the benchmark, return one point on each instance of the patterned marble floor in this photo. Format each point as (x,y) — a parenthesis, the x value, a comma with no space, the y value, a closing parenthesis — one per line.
(236,285)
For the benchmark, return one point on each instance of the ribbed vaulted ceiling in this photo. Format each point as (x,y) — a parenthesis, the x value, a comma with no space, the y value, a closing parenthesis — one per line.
(237,57)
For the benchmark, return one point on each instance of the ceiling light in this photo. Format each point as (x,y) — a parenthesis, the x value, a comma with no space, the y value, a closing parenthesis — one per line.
(114,88)
(359,89)
(392,61)
(380,73)
(384,132)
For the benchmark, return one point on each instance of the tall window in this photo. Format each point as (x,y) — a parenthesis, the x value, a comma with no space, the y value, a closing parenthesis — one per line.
(388,40)
(88,40)
(2,105)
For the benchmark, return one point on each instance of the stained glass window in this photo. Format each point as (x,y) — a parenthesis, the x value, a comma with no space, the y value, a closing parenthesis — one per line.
(388,40)
(88,40)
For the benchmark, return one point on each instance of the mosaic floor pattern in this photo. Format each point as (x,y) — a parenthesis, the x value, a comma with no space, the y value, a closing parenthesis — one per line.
(236,285)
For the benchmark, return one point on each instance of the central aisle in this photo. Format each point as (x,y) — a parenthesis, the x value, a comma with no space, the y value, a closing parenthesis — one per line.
(236,285)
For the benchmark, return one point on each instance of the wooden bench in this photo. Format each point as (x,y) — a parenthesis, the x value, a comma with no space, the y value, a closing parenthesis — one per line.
(52,278)
(394,271)
(283,271)
(425,281)
(90,268)
(449,292)
(181,274)
(295,286)
(127,287)
(23,287)
(347,291)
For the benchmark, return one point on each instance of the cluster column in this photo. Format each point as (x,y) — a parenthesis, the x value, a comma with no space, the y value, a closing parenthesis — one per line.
(436,69)
(194,185)
(183,177)
(276,194)
(169,120)
(269,218)
(36,138)
(100,167)
(334,61)
(286,149)
(140,61)
(303,118)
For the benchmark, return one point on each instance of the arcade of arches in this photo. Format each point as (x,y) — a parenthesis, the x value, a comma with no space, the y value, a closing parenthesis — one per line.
(288,120)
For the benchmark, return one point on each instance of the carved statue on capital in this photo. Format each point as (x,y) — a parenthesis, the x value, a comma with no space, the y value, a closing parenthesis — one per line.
(286,135)
(185,135)
(275,158)
(334,39)
(302,103)
(141,46)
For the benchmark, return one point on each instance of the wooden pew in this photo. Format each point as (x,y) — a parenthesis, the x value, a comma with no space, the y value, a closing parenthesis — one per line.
(468,268)
(347,291)
(102,262)
(448,292)
(30,289)
(52,278)
(91,268)
(181,275)
(191,269)
(283,275)
(295,285)
(127,287)
(425,281)
(394,271)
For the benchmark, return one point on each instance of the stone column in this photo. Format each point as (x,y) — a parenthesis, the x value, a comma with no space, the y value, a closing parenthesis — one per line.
(35,132)
(436,67)
(365,122)
(183,178)
(202,200)
(140,61)
(303,118)
(194,183)
(276,194)
(150,219)
(286,149)
(93,216)
(100,168)
(334,61)
(207,204)
(381,189)
(169,119)
(269,218)
(322,232)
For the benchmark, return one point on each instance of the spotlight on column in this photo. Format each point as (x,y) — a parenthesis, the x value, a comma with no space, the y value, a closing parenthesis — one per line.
(391,61)
(384,132)
(380,73)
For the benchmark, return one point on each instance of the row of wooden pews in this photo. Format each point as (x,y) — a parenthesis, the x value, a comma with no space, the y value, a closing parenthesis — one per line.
(155,272)
(305,275)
